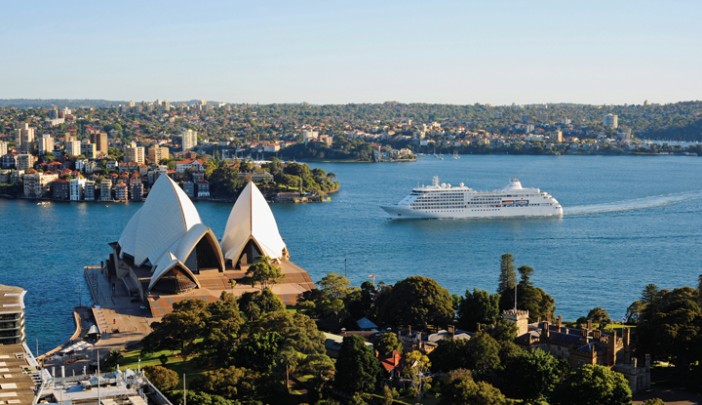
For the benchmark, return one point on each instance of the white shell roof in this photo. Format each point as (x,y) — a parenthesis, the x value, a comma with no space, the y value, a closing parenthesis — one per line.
(252,218)
(165,218)
(166,263)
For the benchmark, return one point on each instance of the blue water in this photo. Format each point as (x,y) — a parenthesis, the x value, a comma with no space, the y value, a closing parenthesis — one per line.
(629,221)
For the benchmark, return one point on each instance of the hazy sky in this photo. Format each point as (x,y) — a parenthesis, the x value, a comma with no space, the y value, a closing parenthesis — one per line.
(459,52)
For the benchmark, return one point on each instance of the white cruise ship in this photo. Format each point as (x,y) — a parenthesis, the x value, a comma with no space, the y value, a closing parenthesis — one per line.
(442,200)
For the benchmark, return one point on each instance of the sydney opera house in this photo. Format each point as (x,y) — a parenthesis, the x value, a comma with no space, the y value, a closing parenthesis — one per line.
(166,254)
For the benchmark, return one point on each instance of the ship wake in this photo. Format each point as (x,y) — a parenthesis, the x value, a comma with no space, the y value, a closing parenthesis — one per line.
(634,204)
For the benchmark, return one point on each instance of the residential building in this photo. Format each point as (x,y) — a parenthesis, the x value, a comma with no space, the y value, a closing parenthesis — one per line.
(106,190)
(158,153)
(60,190)
(121,192)
(89,150)
(46,144)
(11,315)
(203,189)
(610,121)
(309,135)
(189,188)
(100,141)
(76,187)
(189,139)
(196,165)
(89,190)
(3,148)
(25,161)
(137,192)
(73,148)
(25,138)
(36,185)
(134,153)
(8,161)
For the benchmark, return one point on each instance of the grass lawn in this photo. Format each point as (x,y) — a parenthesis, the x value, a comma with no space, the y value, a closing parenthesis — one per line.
(175,362)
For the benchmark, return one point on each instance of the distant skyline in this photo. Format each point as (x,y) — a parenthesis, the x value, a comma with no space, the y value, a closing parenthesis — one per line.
(321,52)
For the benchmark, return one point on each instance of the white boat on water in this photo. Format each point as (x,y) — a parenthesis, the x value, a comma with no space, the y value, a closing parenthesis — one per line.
(441,200)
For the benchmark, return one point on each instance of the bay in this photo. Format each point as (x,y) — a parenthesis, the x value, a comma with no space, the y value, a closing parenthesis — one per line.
(629,221)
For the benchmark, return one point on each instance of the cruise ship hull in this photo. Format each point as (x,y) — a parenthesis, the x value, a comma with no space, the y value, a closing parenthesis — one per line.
(441,200)
(404,212)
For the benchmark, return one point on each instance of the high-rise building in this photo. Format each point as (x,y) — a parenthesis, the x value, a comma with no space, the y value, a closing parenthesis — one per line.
(189,139)
(73,148)
(25,161)
(36,185)
(100,141)
(106,190)
(25,138)
(46,144)
(89,150)
(158,153)
(134,153)
(610,121)
(3,148)
(11,315)
(76,187)
(89,190)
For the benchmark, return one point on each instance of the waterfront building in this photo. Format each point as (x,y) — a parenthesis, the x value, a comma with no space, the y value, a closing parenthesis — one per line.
(76,187)
(610,121)
(189,189)
(106,190)
(189,139)
(25,138)
(137,192)
(25,161)
(3,148)
(165,250)
(121,192)
(73,148)
(196,165)
(21,375)
(8,161)
(11,315)
(46,144)
(36,185)
(203,189)
(89,190)
(100,141)
(60,190)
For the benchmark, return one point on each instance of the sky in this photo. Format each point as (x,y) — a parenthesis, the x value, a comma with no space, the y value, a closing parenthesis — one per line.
(337,52)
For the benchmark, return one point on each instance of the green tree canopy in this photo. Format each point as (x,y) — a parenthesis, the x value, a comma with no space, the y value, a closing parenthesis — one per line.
(478,307)
(459,387)
(179,329)
(163,378)
(264,271)
(532,375)
(417,301)
(592,384)
(357,369)
(386,343)
(508,278)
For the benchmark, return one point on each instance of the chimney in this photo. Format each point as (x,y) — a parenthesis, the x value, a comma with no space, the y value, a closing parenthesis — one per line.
(612,349)
(627,338)
(559,321)
(589,324)
(546,330)
(451,331)
(634,362)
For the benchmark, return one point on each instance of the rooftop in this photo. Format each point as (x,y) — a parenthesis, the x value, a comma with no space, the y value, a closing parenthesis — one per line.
(11,298)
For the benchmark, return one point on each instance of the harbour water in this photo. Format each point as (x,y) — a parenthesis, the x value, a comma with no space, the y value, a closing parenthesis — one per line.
(628,221)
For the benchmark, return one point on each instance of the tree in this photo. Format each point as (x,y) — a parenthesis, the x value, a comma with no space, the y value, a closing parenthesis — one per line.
(417,301)
(508,278)
(670,327)
(230,383)
(163,378)
(264,271)
(483,354)
(111,360)
(459,388)
(599,315)
(254,304)
(259,351)
(357,369)
(179,329)
(450,355)
(480,307)
(525,273)
(386,343)
(298,331)
(592,384)
(223,322)
(532,375)
(321,367)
